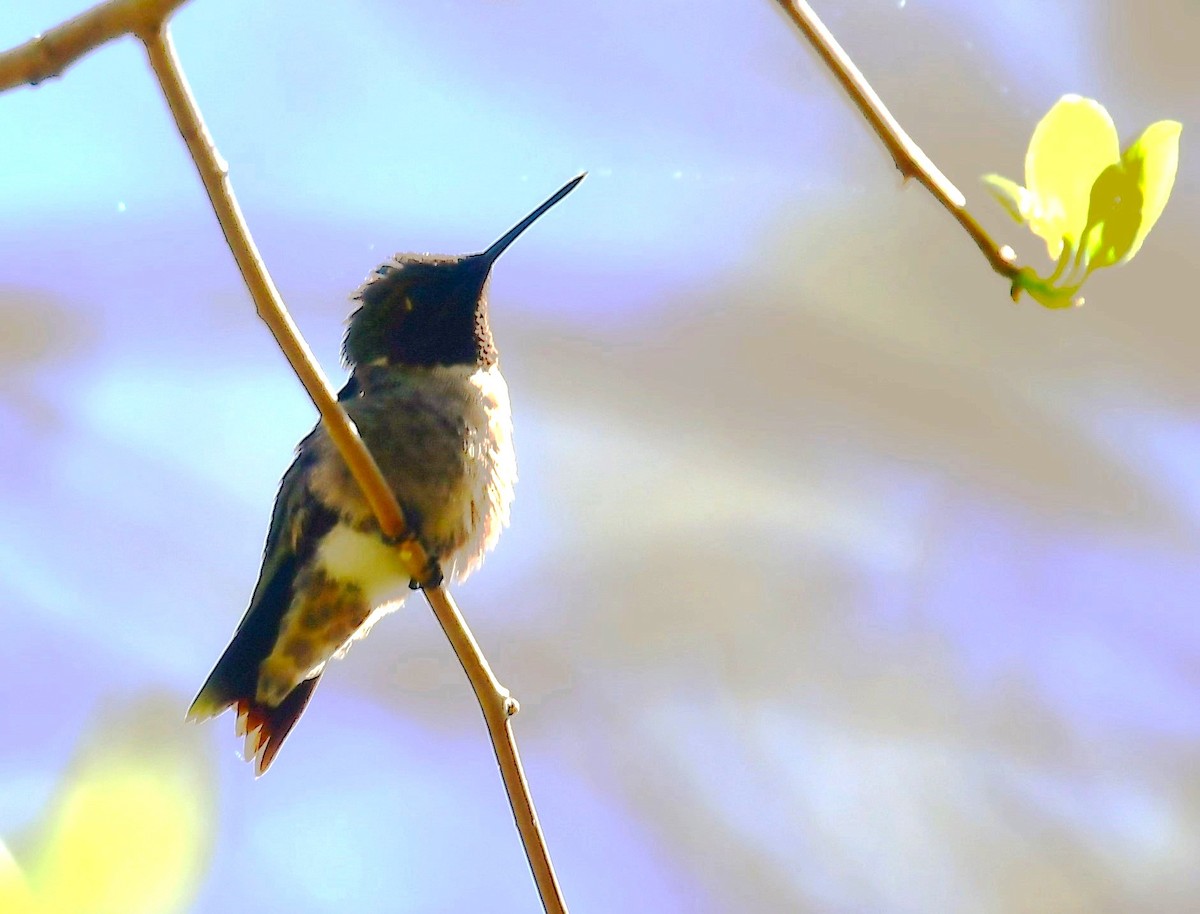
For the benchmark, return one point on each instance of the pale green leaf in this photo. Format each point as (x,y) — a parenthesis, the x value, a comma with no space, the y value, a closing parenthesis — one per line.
(1114,216)
(1070,147)
(1019,202)
(1154,157)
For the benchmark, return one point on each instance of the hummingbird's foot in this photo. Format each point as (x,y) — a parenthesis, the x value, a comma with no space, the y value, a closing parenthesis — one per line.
(435,577)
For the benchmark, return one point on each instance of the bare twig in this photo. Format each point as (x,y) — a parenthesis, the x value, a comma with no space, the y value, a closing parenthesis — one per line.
(908,156)
(494,700)
(46,56)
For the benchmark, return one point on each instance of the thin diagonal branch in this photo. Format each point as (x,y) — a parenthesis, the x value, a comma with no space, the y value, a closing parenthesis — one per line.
(214,173)
(494,700)
(908,156)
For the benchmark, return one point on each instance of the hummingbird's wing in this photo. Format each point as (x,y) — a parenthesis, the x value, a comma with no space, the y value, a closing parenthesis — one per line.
(297,524)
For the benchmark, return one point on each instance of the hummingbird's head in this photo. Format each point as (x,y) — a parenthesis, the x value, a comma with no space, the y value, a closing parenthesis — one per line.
(428,309)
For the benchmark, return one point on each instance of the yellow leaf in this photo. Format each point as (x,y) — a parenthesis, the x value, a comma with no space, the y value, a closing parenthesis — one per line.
(1114,216)
(1154,158)
(1070,147)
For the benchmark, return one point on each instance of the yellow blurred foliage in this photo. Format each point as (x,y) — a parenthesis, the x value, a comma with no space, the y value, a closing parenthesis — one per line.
(128,834)
(15,896)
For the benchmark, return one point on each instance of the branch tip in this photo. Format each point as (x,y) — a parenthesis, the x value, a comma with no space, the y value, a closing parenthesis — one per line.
(908,156)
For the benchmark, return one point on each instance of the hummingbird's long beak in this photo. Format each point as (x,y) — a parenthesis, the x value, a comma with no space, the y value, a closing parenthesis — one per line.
(490,255)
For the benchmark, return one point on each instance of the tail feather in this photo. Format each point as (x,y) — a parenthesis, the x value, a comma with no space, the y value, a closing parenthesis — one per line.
(233,683)
(266,728)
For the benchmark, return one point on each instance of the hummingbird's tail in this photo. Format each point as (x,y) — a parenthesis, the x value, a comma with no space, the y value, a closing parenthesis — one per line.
(264,727)
(233,682)
(298,523)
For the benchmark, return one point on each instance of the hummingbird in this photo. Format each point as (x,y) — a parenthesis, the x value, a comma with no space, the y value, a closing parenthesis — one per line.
(426,393)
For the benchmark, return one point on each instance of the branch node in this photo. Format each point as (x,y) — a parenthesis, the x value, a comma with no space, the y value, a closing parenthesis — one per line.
(46,68)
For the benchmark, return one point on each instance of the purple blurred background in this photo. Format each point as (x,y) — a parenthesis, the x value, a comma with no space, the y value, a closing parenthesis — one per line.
(836,582)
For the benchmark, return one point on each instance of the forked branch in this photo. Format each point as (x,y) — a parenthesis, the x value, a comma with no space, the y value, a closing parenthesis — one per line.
(46,55)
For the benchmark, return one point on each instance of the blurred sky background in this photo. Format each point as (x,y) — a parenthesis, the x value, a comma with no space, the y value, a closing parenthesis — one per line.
(836,582)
